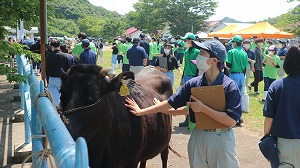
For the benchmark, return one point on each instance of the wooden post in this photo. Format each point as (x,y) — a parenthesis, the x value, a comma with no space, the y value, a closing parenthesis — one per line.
(43,30)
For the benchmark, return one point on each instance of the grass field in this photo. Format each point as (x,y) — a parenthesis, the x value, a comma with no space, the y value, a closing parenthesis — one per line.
(253,120)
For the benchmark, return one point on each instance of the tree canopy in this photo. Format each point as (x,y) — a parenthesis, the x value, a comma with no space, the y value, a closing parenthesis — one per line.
(289,21)
(181,15)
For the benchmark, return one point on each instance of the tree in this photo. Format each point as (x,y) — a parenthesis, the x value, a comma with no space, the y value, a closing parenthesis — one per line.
(112,28)
(62,27)
(91,25)
(289,22)
(181,15)
(11,11)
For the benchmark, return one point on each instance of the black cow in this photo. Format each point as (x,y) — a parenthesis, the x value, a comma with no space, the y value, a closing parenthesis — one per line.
(96,111)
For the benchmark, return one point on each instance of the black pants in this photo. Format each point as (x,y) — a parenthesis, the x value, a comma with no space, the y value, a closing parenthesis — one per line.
(258,77)
(125,67)
(120,59)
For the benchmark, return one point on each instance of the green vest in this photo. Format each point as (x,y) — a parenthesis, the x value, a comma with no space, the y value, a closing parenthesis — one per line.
(125,48)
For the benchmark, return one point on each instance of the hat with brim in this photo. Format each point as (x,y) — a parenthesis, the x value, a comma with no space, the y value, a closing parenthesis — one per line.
(189,36)
(282,41)
(214,46)
(247,41)
(136,40)
(85,42)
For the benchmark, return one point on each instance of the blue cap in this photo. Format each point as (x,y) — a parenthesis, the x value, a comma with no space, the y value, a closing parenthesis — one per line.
(136,40)
(247,41)
(164,39)
(214,46)
(85,42)
(142,35)
(282,41)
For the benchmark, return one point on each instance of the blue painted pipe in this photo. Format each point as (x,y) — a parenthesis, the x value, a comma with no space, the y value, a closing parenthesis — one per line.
(81,153)
(44,114)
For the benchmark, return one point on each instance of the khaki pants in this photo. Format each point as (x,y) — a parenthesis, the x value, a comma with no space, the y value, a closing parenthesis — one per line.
(212,149)
(281,72)
(289,156)
(136,69)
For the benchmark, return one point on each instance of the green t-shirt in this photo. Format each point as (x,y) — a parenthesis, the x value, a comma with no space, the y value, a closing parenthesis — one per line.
(77,50)
(151,51)
(271,71)
(180,50)
(154,46)
(119,46)
(238,59)
(190,69)
(125,48)
(159,48)
(253,45)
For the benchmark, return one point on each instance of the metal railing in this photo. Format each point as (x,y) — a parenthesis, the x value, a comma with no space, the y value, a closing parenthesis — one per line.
(40,113)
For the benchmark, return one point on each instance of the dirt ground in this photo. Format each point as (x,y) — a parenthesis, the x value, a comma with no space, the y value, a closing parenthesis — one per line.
(12,134)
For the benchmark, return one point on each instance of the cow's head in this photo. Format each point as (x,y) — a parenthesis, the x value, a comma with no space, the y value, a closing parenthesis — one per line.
(85,85)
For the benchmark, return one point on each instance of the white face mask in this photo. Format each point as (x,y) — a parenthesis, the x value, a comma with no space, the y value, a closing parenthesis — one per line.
(167,51)
(201,63)
(271,52)
(186,44)
(280,45)
(247,46)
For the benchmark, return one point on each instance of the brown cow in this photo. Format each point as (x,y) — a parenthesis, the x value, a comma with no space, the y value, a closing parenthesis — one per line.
(96,111)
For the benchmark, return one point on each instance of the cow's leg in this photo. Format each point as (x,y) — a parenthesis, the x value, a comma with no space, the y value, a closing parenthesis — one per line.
(164,157)
(143,164)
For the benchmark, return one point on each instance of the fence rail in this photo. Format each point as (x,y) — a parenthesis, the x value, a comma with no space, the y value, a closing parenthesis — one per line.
(40,113)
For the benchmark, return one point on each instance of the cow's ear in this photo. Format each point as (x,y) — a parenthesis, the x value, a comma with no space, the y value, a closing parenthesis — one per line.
(108,72)
(63,75)
(117,81)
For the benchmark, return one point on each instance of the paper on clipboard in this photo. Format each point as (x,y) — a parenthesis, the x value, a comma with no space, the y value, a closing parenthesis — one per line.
(269,60)
(213,97)
(163,62)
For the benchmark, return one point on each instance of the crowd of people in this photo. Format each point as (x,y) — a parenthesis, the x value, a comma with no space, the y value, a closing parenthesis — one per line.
(203,63)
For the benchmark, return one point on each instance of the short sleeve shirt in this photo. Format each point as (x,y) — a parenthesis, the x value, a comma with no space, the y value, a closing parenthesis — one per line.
(190,69)
(238,59)
(271,71)
(282,51)
(125,48)
(282,104)
(232,95)
(251,54)
(135,55)
(88,57)
(77,50)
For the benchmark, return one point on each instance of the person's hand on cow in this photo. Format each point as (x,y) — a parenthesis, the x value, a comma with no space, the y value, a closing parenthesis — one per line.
(156,101)
(196,105)
(135,109)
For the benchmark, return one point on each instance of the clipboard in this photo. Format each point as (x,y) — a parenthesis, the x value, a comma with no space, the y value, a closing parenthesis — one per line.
(213,97)
(269,60)
(163,62)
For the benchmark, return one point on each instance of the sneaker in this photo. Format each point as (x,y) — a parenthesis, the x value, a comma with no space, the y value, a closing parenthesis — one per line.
(249,87)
